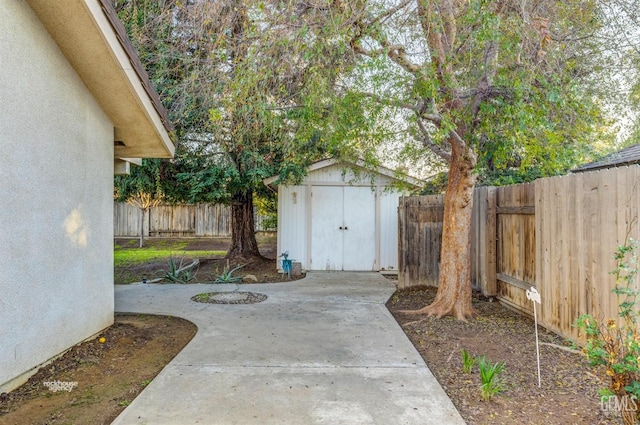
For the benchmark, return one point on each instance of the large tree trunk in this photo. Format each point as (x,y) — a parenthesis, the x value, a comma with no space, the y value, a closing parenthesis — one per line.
(243,235)
(454,286)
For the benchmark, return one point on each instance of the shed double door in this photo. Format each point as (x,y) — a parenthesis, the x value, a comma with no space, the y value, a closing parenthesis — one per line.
(343,228)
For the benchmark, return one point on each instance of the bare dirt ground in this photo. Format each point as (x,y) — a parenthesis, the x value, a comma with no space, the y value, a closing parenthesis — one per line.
(210,268)
(103,378)
(568,394)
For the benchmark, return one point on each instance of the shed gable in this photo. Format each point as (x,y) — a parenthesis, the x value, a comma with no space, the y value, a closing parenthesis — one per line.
(344,175)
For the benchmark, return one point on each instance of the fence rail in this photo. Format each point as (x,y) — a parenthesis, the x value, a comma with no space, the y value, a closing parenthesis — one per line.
(199,220)
(558,234)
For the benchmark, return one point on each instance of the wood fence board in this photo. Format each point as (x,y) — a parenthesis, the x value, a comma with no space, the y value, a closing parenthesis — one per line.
(516,242)
(578,234)
(489,282)
(565,249)
(542,249)
(566,216)
(483,241)
(578,266)
(420,232)
(206,220)
(403,243)
(591,237)
(608,240)
(515,297)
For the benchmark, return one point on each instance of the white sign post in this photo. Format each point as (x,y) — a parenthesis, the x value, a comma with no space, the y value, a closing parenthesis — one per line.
(534,296)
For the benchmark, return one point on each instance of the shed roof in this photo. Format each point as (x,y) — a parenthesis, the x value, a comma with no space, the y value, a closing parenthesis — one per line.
(626,156)
(94,42)
(412,181)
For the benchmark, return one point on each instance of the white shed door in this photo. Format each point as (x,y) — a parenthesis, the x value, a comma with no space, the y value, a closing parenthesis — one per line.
(326,221)
(342,228)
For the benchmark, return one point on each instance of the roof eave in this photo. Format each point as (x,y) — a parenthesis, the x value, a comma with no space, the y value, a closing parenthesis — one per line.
(94,45)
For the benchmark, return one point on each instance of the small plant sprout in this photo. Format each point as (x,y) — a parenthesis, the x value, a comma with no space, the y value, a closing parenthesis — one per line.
(467,361)
(489,376)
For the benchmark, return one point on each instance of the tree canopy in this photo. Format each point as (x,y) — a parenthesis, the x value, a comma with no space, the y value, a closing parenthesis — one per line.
(491,91)
(245,94)
(482,85)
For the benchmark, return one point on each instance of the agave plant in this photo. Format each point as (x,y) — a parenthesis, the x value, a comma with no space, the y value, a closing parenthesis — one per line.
(227,275)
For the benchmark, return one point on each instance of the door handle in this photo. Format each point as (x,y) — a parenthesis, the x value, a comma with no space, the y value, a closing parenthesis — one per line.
(346,228)
(340,227)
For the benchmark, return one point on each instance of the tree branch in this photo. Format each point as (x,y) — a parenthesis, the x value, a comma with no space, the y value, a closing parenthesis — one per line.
(391,102)
(486,81)
(396,52)
(390,12)
(428,143)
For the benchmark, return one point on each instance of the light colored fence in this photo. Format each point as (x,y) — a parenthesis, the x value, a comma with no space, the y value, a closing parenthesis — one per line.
(580,221)
(200,220)
(558,234)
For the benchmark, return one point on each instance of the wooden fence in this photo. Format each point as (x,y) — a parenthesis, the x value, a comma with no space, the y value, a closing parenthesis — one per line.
(200,220)
(558,234)
(419,239)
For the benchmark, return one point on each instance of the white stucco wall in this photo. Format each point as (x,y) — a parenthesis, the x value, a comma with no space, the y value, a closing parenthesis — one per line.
(56,185)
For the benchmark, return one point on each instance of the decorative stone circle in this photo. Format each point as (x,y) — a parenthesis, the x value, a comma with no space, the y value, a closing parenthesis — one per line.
(235,297)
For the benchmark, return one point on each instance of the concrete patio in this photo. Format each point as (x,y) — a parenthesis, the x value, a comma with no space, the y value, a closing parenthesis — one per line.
(322,350)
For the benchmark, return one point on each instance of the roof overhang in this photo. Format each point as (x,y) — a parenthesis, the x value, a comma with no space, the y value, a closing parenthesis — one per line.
(412,181)
(94,42)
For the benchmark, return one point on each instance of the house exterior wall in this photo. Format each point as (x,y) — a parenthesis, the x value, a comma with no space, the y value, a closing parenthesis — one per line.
(56,183)
(295,215)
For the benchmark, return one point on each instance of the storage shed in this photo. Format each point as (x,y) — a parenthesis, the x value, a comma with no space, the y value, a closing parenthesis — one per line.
(341,217)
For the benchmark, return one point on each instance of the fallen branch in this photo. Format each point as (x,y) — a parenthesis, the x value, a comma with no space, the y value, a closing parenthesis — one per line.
(415,322)
(562,347)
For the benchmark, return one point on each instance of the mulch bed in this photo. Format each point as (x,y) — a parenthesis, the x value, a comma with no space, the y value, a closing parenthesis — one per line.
(569,391)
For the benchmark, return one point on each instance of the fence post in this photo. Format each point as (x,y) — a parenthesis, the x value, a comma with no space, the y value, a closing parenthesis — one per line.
(402,239)
(488,281)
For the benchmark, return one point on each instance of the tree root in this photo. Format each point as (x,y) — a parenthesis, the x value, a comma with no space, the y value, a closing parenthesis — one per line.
(245,258)
(415,322)
(439,310)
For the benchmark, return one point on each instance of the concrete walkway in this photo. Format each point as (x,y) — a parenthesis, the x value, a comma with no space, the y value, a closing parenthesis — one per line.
(322,350)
